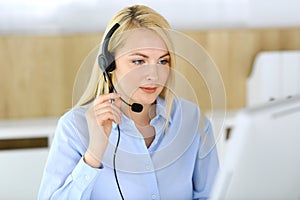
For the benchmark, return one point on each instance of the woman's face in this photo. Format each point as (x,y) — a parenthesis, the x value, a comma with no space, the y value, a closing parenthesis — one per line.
(142,66)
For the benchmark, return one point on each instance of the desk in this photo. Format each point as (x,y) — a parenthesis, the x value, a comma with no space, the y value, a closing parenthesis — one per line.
(22,161)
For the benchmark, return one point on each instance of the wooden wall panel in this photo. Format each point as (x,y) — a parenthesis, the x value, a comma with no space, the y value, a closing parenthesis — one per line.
(38,72)
(234,51)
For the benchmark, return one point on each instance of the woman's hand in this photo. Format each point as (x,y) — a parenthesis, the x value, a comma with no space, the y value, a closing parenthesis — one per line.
(105,110)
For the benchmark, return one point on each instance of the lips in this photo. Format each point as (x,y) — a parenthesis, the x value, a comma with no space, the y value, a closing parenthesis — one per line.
(149,90)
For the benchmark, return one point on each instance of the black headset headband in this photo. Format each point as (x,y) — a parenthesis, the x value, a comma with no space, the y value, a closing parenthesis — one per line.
(106,60)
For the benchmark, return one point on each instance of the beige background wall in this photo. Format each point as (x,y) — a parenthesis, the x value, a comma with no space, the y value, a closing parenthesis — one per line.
(37,72)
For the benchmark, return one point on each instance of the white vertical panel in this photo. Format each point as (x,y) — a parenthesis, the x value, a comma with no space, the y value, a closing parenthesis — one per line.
(269,78)
(263,83)
(290,75)
(275,75)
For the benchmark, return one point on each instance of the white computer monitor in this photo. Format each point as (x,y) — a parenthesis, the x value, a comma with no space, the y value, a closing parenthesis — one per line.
(262,159)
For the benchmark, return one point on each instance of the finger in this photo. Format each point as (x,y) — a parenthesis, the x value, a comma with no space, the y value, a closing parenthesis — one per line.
(107,105)
(106,97)
(108,115)
(118,102)
(117,111)
(100,106)
(104,118)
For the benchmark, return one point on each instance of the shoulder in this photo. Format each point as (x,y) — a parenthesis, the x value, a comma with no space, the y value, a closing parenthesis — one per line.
(189,112)
(72,125)
(74,116)
(185,114)
(185,108)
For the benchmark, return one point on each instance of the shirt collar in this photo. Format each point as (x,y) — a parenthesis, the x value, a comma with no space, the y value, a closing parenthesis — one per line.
(161,109)
(161,113)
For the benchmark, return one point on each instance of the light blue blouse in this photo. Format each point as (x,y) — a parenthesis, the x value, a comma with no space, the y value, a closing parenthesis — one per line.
(181,163)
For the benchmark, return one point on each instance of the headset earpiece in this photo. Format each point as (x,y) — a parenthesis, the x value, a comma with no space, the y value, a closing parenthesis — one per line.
(106,62)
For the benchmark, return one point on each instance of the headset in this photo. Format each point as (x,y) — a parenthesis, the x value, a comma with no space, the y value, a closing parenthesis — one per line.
(106,62)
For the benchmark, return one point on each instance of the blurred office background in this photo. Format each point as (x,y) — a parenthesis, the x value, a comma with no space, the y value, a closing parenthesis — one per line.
(43,43)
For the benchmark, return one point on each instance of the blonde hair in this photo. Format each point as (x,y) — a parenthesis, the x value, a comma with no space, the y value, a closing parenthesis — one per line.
(129,18)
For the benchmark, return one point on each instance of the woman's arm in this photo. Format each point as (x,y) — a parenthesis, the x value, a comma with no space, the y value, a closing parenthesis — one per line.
(66,175)
(207,164)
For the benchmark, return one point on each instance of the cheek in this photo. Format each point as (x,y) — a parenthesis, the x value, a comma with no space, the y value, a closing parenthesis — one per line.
(164,74)
(126,81)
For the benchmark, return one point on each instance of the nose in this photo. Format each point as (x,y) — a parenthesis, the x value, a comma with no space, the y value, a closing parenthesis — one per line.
(152,72)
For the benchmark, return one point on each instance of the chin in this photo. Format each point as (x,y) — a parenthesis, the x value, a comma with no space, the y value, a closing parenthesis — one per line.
(146,99)
(146,102)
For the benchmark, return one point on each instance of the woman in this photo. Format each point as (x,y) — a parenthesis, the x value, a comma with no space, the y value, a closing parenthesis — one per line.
(105,149)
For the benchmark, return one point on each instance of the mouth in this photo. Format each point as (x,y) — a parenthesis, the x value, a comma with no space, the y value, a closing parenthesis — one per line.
(149,90)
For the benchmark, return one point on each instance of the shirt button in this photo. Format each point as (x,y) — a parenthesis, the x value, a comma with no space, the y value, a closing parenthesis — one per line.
(153,196)
(147,167)
(87,177)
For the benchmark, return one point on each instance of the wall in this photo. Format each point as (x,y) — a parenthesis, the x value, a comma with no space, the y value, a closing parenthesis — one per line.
(38,72)
(75,16)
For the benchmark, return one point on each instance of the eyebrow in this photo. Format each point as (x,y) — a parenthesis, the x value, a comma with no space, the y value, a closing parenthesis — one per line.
(145,56)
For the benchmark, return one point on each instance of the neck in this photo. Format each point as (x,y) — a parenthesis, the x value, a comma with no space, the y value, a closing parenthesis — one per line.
(142,121)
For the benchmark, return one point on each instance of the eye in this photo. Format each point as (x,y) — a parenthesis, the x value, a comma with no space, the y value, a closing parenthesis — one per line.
(164,61)
(138,61)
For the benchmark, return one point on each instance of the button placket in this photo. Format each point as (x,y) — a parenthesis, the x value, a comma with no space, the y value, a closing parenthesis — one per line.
(148,165)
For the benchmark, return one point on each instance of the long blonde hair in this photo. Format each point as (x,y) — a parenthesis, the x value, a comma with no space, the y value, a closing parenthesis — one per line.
(129,18)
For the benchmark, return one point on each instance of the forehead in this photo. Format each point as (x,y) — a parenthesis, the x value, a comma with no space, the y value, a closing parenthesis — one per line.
(141,39)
